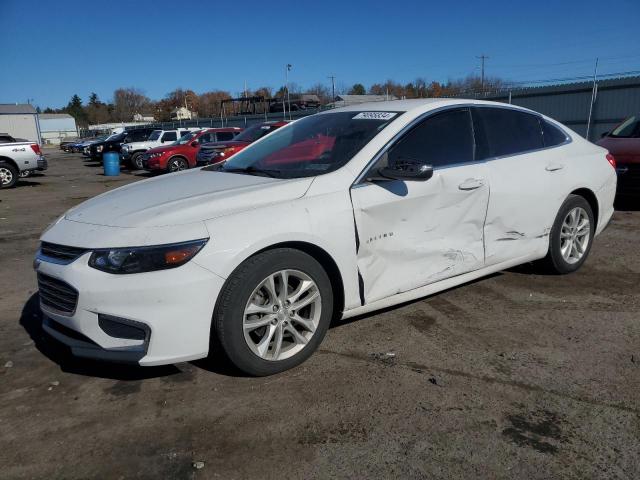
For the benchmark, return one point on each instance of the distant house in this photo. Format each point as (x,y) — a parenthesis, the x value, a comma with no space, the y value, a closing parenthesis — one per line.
(182,113)
(344,100)
(55,127)
(20,120)
(144,117)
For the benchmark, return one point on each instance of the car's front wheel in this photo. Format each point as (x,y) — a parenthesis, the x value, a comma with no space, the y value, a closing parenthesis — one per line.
(273,311)
(177,164)
(136,161)
(571,236)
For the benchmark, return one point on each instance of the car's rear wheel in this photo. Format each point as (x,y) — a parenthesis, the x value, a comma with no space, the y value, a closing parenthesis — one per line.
(136,161)
(177,164)
(273,311)
(8,175)
(571,236)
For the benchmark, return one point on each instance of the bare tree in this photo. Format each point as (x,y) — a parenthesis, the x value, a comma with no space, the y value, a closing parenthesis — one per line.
(127,102)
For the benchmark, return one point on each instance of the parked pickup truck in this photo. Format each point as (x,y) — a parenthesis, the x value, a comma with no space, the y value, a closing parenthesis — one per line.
(19,159)
(132,152)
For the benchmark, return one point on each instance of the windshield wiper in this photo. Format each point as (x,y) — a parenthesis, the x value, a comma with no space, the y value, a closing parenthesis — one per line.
(251,170)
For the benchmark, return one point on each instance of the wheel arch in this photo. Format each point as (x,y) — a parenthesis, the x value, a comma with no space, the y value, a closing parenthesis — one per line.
(326,261)
(10,161)
(592,200)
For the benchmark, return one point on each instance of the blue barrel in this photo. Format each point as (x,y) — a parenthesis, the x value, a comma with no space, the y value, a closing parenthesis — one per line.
(111,164)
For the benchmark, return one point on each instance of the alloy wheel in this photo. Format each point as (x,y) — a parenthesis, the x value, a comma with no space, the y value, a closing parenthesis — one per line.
(178,165)
(6,176)
(282,314)
(574,235)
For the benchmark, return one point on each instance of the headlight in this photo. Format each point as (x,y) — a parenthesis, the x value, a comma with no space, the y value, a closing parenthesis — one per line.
(99,148)
(156,155)
(145,259)
(125,147)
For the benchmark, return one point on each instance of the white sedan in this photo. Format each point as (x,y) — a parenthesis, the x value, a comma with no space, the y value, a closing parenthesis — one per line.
(335,215)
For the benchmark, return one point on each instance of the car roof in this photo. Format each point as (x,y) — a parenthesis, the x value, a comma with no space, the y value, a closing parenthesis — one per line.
(415,104)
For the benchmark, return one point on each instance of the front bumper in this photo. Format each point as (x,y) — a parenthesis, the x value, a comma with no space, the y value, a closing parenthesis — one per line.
(174,306)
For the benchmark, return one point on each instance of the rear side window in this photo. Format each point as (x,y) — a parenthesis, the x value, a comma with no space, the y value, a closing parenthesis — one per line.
(169,137)
(441,140)
(183,132)
(630,128)
(224,136)
(509,132)
(551,134)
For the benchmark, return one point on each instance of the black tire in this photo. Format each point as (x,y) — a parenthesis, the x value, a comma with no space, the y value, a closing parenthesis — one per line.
(554,262)
(177,164)
(136,161)
(9,175)
(227,326)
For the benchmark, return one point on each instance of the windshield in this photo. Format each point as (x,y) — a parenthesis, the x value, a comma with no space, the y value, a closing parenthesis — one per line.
(155,135)
(312,145)
(185,138)
(255,132)
(630,128)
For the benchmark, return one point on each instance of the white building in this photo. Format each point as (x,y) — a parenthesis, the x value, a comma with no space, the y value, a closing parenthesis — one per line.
(182,113)
(20,121)
(144,117)
(55,127)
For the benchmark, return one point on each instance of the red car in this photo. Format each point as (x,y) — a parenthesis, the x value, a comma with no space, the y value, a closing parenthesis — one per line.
(220,151)
(623,142)
(181,155)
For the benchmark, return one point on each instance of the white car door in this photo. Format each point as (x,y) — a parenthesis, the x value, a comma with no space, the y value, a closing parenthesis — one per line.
(528,182)
(412,233)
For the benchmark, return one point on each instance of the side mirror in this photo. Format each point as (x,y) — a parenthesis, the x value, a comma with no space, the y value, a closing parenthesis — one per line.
(409,171)
(194,144)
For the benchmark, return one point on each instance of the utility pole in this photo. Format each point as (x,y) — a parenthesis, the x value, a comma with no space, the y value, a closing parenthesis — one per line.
(594,91)
(333,87)
(286,74)
(482,58)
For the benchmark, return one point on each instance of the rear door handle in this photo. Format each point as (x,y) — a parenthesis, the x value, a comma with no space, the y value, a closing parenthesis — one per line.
(471,184)
(552,167)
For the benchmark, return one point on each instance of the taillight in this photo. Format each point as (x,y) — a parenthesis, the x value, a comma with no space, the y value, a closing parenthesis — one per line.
(36,148)
(612,160)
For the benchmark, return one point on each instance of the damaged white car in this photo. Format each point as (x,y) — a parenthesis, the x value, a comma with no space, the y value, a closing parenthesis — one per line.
(337,214)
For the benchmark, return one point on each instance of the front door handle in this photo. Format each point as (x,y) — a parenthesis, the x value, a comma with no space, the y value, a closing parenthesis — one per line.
(471,184)
(553,167)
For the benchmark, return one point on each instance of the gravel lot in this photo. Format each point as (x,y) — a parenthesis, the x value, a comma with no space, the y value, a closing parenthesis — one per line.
(514,376)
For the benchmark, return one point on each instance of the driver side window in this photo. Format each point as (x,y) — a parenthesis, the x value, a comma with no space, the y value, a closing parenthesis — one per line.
(441,140)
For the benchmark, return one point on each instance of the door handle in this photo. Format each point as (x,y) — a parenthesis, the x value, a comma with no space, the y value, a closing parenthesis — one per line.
(552,167)
(471,184)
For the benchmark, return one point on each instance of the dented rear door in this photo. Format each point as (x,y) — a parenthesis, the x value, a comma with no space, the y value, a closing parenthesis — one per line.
(413,233)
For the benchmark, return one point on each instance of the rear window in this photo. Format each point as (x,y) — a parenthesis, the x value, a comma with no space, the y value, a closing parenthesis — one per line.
(630,128)
(509,132)
(255,132)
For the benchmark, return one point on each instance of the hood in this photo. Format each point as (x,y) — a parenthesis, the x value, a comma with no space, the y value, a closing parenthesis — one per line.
(185,197)
(228,143)
(163,148)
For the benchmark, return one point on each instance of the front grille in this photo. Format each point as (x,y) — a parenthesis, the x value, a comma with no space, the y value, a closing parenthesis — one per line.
(60,252)
(57,295)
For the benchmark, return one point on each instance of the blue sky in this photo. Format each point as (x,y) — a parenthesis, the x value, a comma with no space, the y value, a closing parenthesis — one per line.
(51,50)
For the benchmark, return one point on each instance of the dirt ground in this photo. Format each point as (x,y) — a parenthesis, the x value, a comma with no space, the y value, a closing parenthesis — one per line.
(514,376)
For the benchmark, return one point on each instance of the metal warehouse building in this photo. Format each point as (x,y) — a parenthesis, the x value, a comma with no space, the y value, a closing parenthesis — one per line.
(55,127)
(614,100)
(20,121)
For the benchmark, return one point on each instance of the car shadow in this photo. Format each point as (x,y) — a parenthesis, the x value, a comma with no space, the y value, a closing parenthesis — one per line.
(27,183)
(31,321)
(337,322)
(627,204)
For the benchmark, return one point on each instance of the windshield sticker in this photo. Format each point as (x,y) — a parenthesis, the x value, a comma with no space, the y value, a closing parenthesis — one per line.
(374,116)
